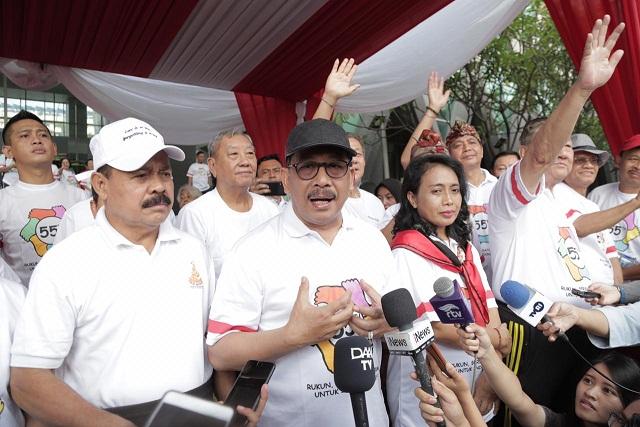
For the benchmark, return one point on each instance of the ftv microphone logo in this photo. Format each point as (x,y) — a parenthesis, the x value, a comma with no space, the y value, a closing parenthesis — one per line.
(452,311)
(538,306)
(365,355)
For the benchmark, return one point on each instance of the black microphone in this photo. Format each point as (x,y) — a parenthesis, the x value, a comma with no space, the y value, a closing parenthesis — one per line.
(354,373)
(413,338)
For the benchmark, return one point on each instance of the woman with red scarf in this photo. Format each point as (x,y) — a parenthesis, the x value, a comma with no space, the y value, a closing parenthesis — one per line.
(432,240)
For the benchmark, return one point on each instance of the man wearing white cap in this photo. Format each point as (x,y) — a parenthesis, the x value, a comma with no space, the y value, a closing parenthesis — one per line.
(127,324)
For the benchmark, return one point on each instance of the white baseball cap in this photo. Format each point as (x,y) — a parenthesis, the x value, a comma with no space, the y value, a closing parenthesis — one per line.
(128,144)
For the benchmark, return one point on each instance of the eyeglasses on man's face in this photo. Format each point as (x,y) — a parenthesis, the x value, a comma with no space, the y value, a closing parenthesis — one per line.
(308,169)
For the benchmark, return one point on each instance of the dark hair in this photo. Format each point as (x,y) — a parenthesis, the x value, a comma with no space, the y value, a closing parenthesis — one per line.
(393,185)
(105,170)
(199,152)
(269,157)
(623,370)
(22,115)
(503,154)
(408,217)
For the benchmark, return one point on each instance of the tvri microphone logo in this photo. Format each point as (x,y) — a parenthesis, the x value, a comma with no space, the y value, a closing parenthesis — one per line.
(365,355)
(538,306)
(452,311)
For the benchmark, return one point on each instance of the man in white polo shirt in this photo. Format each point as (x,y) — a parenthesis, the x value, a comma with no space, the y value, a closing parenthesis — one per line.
(127,323)
(264,310)
(464,144)
(532,241)
(229,211)
(31,210)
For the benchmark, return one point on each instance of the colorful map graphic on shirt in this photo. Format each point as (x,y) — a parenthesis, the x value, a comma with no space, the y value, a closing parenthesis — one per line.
(625,231)
(326,294)
(480,224)
(570,255)
(42,227)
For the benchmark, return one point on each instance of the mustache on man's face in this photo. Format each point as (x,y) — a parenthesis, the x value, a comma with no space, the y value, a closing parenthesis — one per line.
(159,199)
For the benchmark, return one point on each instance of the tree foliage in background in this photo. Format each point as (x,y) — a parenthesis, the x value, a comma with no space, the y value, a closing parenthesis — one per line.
(520,75)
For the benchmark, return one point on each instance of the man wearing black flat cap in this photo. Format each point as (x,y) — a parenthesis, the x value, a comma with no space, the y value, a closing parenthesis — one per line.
(292,305)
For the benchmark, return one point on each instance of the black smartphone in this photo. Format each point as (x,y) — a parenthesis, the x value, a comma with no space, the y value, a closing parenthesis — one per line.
(246,389)
(585,294)
(276,188)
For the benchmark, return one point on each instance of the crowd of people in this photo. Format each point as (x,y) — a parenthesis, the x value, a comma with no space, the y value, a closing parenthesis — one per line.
(108,299)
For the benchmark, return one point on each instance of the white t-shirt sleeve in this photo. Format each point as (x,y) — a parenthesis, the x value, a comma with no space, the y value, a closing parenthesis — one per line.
(192,170)
(237,303)
(44,333)
(189,221)
(416,274)
(623,326)
(610,244)
(510,195)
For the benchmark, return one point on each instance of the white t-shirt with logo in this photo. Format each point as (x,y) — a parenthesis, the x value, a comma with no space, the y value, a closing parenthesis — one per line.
(478,202)
(211,220)
(626,232)
(199,173)
(533,242)
(11,299)
(418,275)
(367,207)
(256,292)
(29,219)
(124,325)
(597,248)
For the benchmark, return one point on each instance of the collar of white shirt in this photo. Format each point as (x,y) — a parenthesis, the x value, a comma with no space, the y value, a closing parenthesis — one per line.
(296,228)
(167,231)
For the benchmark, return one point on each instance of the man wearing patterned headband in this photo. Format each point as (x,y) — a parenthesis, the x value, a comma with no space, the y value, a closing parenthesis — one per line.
(464,144)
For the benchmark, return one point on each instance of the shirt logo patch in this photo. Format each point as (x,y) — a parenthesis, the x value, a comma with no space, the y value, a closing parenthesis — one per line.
(324,295)
(42,227)
(195,280)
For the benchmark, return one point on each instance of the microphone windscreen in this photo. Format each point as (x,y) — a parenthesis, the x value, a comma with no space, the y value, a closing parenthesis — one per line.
(353,369)
(443,287)
(398,308)
(515,293)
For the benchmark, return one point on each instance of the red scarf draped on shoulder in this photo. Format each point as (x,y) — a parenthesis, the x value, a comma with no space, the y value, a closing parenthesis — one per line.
(416,242)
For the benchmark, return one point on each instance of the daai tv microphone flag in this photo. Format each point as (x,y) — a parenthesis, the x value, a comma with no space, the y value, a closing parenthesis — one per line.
(354,373)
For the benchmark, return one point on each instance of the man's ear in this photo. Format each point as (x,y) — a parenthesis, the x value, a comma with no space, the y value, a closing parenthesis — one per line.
(352,179)
(100,183)
(285,178)
(212,166)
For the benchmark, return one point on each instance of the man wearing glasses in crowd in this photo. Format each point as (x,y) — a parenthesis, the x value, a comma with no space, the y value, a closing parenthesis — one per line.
(292,305)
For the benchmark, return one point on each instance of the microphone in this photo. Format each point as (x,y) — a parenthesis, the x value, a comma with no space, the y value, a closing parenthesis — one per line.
(529,304)
(413,337)
(354,373)
(449,304)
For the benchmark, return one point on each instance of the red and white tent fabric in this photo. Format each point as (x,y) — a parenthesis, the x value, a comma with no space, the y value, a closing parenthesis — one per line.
(193,68)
